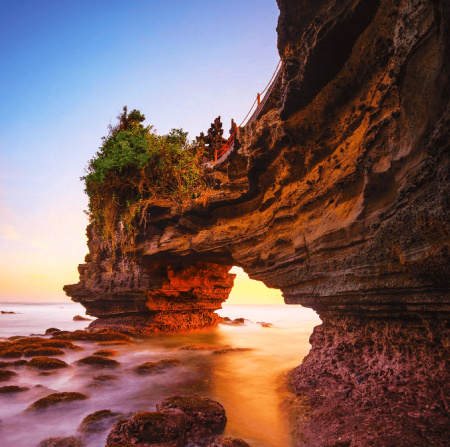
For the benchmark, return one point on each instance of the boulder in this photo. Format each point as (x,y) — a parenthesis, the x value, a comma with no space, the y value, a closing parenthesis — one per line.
(155,367)
(55,399)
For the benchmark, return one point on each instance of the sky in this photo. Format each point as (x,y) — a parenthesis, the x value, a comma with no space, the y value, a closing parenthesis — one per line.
(68,68)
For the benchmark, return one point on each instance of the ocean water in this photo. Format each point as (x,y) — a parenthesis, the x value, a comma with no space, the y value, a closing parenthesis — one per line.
(248,384)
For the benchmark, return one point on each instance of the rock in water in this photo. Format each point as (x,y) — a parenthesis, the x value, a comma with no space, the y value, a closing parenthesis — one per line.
(69,441)
(155,367)
(6,375)
(80,318)
(98,421)
(55,399)
(208,416)
(46,363)
(97,361)
(178,421)
(337,193)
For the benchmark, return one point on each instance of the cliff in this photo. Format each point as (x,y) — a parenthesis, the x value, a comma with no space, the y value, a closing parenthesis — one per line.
(338,194)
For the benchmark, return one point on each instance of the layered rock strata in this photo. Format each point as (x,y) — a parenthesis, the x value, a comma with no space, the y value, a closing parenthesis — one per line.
(339,195)
(159,296)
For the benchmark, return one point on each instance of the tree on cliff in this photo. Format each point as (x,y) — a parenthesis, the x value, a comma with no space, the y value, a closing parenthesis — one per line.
(134,168)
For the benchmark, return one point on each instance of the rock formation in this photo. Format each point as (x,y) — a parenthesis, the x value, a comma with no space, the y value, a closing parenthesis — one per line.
(338,194)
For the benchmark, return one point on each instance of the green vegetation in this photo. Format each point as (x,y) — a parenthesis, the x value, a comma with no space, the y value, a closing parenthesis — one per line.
(134,168)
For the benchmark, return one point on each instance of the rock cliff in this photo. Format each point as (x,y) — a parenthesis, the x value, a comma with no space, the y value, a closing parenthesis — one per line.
(339,195)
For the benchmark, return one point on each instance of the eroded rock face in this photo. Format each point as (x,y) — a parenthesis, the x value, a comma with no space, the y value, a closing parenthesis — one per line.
(157,296)
(339,196)
(372,380)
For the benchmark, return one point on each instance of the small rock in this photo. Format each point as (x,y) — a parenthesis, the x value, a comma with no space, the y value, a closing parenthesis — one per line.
(43,352)
(103,379)
(106,353)
(15,363)
(226,350)
(12,389)
(98,421)
(157,428)
(265,324)
(203,347)
(4,312)
(103,335)
(220,441)
(178,421)
(98,362)
(155,367)
(6,375)
(55,399)
(69,441)
(52,330)
(235,322)
(80,318)
(114,343)
(46,363)
(61,344)
(207,415)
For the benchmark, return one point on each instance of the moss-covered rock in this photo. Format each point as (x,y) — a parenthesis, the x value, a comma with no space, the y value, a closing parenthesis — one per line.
(156,428)
(6,375)
(208,415)
(69,441)
(55,399)
(203,347)
(100,336)
(98,421)
(10,389)
(11,353)
(63,344)
(14,363)
(227,350)
(105,353)
(97,361)
(44,351)
(46,363)
(155,367)
(178,421)
(114,343)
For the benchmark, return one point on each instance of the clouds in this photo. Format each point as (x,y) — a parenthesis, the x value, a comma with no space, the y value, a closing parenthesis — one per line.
(8,232)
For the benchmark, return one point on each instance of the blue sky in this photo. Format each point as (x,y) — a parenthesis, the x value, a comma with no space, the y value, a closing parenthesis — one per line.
(68,68)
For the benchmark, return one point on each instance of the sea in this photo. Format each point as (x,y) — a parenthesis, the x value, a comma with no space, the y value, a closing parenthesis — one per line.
(249,384)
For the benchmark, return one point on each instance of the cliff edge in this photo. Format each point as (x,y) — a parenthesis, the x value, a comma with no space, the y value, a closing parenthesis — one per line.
(338,194)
